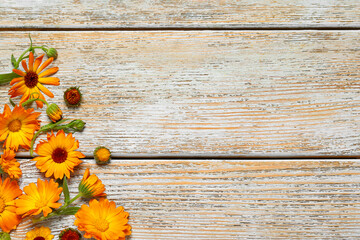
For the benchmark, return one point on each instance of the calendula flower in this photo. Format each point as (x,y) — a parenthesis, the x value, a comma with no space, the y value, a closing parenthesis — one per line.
(9,165)
(9,190)
(69,234)
(57,155)
(40,198)
(91,186)
(72,97)
(102,155)
(17,127)
(39,233)
(102,220)
(54,112)
(32,80)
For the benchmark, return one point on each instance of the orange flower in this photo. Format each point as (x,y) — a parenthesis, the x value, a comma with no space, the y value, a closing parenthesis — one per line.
(91,186)
(102,220)
(40,198)
(9,165)
(17,127)
(57,155)
(39,233)
(9,190)
(31,81)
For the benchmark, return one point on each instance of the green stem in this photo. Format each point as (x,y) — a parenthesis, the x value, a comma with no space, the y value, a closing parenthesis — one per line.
(33,100)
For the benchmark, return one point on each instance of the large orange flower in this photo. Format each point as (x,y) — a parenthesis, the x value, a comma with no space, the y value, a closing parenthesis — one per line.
(40,198)
(57,155)
(32,80)
(102,220)
(9,165)
(9,190)
(17,127)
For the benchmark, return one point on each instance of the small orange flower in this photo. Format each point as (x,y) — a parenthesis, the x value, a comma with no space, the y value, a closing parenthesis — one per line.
(39,233)
(17,127)
(40,198)
(57,155)
(102,220)
(32,80)
(9,190)
(91,186)
(9,165)
(102,155)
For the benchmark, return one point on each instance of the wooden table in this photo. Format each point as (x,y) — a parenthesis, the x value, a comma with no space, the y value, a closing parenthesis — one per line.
(226,119)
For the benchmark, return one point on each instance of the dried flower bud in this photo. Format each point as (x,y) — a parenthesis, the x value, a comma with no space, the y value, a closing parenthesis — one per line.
(69,234)
(102,155)
(51,52)
(72,97)
(91,186)
(54,112)
(4,236)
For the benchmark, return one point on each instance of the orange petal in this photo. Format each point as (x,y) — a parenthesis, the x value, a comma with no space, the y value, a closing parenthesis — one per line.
(31,61)
(44,65)
(45,90)
(19,72)
(15,80)
(23,63)
(38,62)
(49,72)
(50,80)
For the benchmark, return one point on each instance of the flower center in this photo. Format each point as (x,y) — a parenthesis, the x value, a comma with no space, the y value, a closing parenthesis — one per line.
(15,125)
(31,79)
(73,96)
(59,155)
(101,225)
(2,205)
(39,238)
(40,204)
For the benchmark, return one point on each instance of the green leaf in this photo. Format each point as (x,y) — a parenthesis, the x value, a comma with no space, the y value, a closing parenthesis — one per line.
(66,191)
(13,60)
(69,211)
(7,77)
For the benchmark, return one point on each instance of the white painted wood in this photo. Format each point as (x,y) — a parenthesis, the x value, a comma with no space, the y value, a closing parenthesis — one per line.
(213,199)
(177,13)
(239,93)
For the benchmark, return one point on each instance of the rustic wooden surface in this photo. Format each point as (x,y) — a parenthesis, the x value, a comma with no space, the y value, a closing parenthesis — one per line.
(227,199)
(178,13)
(266,79)
(243,93)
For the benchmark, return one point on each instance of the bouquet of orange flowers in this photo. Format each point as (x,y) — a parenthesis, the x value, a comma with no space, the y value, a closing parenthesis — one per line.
(57,158)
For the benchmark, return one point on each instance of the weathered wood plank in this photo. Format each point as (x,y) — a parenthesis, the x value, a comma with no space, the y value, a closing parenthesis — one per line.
(209,92)
(177,13)
(218,199)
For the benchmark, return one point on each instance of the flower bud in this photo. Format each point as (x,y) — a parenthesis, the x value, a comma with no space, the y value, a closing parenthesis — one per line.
(91,186)
(72,97)
(51,52)
(102,155)
(69,234)
(54,112)
(4,236)
(78,125)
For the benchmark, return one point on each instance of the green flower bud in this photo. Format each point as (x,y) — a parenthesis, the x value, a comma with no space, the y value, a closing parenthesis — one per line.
(4,236)
(77,125)
(51,52)
(54,112)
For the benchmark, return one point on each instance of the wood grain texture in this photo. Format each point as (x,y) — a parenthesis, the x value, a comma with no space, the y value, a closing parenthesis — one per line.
(234,93)
(178,13)
(213,199)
